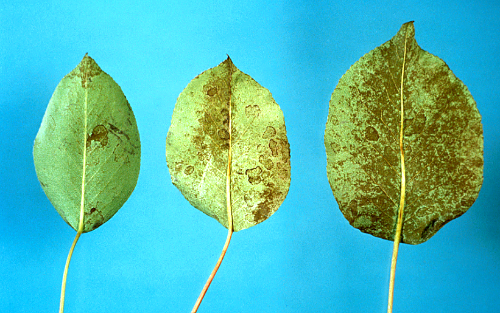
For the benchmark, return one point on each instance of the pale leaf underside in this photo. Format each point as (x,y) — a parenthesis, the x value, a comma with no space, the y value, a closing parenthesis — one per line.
(88,118)
(198,139)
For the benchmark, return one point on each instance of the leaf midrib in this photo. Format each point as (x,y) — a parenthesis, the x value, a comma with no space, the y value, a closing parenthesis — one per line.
(84,161)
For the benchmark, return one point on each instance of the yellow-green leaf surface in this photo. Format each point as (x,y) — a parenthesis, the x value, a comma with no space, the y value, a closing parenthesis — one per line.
(198,144)
(441,138)
(88,137)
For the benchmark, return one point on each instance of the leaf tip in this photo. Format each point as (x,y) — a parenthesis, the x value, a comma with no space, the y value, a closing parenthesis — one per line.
(409,25)
(229,61)
(87,69)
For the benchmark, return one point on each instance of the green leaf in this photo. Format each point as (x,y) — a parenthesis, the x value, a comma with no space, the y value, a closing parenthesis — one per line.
(88,142)
(198,144)
(442,141)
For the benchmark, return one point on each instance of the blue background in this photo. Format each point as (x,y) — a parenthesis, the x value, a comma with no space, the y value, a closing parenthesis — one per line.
(156,253)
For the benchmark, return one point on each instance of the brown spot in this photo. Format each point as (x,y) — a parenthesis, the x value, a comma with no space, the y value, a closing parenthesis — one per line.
(189,170)
(93,219)
(266,207)
(282,170)
(225,117)
(99,134)
(223,134)
(267,162)
(254,175)
(212,91)
(97,224)
(248,199)
(414,126)
(391,156)
(429,228)
(252,110)
(262,213)
(274,146)
(371,134)
(269,133)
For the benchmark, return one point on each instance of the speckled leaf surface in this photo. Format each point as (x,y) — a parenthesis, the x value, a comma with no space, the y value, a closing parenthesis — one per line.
(88,118)
(442,140)
(198,141)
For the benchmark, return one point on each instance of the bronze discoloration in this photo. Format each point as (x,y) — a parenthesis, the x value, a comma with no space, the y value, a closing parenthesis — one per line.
(99,134)
(442,142)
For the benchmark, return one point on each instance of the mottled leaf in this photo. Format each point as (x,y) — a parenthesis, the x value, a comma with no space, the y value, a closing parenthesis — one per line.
(198,142)
(88,122)
(442,141)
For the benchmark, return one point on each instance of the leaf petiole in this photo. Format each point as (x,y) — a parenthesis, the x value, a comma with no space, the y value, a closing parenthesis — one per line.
(70,254)
(63,287)
(212,275)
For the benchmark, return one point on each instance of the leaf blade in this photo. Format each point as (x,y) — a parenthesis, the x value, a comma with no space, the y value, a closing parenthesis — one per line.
(87,111)
(442,134)
(196,146)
